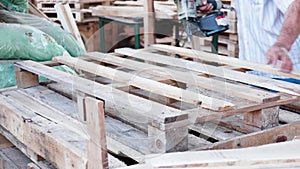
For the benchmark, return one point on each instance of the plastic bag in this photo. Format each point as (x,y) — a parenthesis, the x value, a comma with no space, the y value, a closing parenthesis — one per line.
(65,39)
(25,42)
(16,5)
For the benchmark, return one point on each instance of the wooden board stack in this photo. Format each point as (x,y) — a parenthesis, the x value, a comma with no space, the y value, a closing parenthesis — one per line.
(154,103)
(132,9)
(78,7)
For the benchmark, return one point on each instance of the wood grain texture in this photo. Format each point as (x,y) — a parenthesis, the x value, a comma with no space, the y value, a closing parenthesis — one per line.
(191,77)
(97,148)
(147,84)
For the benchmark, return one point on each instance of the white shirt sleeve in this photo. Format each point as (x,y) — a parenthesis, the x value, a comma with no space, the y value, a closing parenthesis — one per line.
(283,5)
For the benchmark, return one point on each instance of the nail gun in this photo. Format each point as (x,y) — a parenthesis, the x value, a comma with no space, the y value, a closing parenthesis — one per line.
(207,25)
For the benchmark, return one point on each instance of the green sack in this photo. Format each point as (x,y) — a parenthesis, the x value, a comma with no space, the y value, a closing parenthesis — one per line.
(62,37)
(25,42)
(7,74)
(16,5)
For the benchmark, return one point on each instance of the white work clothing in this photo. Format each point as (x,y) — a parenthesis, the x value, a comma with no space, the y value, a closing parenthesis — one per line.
(259,25)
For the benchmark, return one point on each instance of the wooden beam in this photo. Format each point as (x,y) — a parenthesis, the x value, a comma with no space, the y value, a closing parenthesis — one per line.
(140,3)
(129,12)
(33,10)
(117,11)
(97,148)
(273,154)
(67,20)
(277,134)
(26,79)
(149,22)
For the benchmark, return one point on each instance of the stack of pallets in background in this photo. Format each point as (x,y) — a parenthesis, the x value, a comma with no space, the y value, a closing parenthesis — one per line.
(228,40)
(132,9)
(78,7)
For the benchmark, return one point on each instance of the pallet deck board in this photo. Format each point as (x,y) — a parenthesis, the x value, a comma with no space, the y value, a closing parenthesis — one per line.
(227,60)
(281,154)
(147,84)
(190,77)
(51,98)
(212,70)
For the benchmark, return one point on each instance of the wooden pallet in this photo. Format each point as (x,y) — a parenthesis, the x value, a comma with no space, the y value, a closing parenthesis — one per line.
(226,46)
(230,14)
(78,8)
(131,9)
(50,133)
(79,16)
(166,104)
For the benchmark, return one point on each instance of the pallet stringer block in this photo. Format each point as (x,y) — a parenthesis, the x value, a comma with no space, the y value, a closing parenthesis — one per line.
(26,79)
(263,119)
(22,147)
(170,137)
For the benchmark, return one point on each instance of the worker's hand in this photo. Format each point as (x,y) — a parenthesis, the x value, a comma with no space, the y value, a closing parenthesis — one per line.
(278,52)
(206,7)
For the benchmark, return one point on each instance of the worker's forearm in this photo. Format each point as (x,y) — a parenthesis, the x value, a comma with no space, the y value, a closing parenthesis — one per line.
(291,26)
